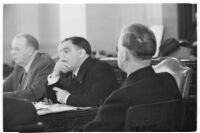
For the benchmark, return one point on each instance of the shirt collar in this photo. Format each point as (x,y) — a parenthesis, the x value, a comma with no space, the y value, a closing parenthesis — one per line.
(139,74)
(27,67)
(76,73)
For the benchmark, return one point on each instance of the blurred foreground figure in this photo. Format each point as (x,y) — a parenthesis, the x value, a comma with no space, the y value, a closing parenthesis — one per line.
(17,112)
(136,47)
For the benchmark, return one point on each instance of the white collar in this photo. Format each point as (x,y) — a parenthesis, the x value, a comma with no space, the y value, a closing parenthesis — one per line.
(76,73)
(27,67)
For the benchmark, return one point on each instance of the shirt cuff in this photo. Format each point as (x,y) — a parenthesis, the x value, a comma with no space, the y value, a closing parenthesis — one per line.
(67,97)
(52,80)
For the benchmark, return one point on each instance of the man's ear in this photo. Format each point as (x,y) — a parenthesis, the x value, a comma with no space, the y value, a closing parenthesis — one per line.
(30,50)
(82,53)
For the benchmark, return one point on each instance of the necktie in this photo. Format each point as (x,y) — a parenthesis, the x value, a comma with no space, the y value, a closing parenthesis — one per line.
(73,76)
(75,79)
(23,79)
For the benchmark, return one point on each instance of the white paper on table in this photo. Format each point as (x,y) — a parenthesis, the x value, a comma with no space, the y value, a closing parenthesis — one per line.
(43,108)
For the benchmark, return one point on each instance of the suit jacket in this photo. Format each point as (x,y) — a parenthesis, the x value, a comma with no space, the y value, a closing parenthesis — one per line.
(94,82)
(34,87)
(141,87)
(18,112)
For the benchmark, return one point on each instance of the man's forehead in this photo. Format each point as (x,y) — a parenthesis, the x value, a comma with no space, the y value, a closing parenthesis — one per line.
(65,45)
(19,41)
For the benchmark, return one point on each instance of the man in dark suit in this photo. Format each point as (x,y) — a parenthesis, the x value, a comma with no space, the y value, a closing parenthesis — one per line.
(31,69)
(18,112)
(77,79)
(136,47)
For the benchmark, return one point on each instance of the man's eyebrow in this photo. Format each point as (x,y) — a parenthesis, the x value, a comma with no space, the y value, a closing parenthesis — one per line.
(65,48)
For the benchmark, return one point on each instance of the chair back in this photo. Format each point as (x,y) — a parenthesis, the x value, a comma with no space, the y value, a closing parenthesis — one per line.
(179,71)
(161,116)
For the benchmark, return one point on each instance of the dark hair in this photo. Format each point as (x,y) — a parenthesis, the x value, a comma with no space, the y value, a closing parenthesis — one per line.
(32,41)
(139,40)
(79,42)
(169,46)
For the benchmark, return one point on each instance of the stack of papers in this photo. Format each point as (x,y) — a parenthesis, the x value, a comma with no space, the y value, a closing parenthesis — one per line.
(43,108)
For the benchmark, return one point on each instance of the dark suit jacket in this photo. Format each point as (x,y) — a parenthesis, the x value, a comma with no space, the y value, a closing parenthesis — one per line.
(141,87)
(18,112)
(94,82)
(34,87)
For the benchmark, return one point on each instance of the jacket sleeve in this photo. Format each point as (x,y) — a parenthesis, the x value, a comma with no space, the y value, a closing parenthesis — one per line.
(61,83)
(8,83)
(111,115)
(50,94)
(37,88)
(103,82)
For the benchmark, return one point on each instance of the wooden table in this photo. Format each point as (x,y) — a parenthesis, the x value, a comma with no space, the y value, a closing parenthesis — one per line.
(68,120)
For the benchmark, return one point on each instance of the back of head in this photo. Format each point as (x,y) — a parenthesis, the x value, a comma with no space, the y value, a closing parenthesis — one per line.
(31,40)
(80,42)
(139,40)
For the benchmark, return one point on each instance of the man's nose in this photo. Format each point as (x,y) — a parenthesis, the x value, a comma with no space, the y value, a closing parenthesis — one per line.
(64,59)
(63,56)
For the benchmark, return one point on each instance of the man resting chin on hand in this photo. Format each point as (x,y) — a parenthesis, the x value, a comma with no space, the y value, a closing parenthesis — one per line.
(78,79)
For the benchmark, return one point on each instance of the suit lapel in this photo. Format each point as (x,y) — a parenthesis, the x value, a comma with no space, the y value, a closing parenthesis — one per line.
(34,61)
(30,72)
(28,77)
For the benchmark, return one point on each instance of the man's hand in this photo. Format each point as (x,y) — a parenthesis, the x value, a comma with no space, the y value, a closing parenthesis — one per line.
(47,101)
(61,66)
(61,95)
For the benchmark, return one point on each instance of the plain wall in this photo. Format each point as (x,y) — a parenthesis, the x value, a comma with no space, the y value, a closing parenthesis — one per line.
(41,21)
(104,21)
(99,23)
(103,26)
(170,20)
(16,20)
(9,29)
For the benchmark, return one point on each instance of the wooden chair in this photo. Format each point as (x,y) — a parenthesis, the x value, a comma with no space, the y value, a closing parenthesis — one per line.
(181,73)
(161,116)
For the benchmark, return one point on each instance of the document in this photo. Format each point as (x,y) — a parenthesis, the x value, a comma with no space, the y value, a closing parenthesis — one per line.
(43,108)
